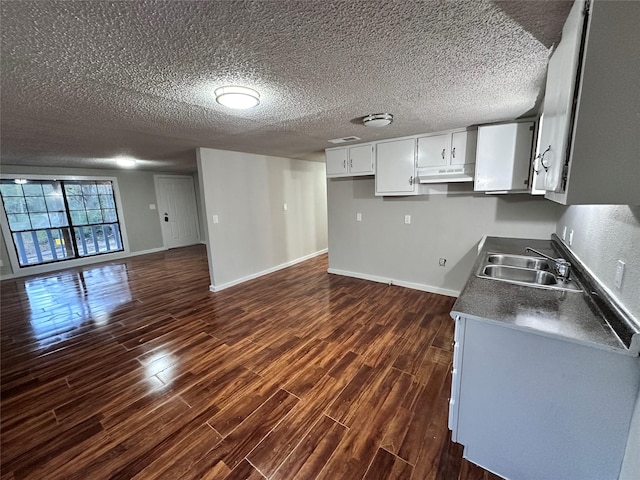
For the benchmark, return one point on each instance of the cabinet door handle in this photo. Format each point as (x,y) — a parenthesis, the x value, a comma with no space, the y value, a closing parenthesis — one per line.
(453,152)
(344,163)
(411,180)
(443,152)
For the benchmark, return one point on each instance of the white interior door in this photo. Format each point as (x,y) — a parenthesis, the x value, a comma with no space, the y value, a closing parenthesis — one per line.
(177,209)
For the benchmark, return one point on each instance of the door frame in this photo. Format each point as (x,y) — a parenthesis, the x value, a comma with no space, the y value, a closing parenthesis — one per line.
(156,183)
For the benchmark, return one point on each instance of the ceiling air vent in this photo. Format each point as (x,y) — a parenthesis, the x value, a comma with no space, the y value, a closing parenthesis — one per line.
(344,139)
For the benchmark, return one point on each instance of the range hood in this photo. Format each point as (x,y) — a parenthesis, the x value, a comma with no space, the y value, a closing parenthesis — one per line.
(446,174)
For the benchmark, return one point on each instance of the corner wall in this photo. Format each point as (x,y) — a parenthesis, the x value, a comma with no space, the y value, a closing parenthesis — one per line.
(382,246)
(255,235)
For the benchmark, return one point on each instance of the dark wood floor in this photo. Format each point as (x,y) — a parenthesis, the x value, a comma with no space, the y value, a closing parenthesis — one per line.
(132,369)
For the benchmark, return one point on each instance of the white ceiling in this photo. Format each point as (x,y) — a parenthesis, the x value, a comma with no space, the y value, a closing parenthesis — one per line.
(84,81)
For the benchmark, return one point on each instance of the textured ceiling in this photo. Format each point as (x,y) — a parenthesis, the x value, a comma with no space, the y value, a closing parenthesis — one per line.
(84,81)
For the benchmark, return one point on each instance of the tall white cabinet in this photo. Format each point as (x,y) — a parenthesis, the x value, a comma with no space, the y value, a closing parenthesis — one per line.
(590,141)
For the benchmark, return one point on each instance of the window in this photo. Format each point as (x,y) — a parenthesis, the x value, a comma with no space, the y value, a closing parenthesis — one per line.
(53,220)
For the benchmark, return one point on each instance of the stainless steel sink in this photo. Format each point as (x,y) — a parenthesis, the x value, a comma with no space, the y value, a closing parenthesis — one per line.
(521,261)
(516,274)
(524,270)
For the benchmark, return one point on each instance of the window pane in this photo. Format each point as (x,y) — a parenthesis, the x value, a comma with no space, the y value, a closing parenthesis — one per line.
(55,203)
(109,215)
(89,189)
(79,217)
(105,188)
(94,216)
(75,203)
(19,222)
(106,201)
(15,205)
(32,189)
(36,204)
(72,189)
(39,220)
(91,202)
(52,188)
(58,219)
(11,190)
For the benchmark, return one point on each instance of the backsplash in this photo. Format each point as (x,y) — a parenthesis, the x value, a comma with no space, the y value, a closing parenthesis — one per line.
(602,235)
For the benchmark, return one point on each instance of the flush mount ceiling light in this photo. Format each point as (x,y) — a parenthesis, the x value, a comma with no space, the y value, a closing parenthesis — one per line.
(377,120)
(126,162)
(20,181)
(237,97)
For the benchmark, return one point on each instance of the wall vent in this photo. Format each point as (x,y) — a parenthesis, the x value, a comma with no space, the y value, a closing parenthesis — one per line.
(344,139)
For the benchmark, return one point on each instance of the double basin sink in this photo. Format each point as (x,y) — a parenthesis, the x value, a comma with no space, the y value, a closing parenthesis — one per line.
(524,270)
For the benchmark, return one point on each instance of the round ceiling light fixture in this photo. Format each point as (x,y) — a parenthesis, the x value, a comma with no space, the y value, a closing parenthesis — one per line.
(377,120)
(237,97)
(126,162)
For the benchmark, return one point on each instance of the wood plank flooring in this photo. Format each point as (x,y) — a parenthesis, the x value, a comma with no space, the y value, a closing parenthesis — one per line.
(133,369)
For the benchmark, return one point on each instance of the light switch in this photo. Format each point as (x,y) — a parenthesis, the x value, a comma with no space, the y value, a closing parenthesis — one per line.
(570,237)
(152,206)
(358,217)
(407,219)
(215,219)
(285,207)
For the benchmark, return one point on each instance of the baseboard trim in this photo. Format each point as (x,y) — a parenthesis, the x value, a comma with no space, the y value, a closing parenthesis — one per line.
(217,288)
(399,283)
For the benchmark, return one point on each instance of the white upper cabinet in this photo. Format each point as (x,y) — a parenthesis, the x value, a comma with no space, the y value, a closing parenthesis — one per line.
(434,151)
(337,162)
(504,157)
(446,157)
(350,161)
(396,167)
(589,150)
(361,160)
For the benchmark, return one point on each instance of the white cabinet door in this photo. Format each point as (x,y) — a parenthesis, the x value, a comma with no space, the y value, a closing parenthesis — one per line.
(559,98)
(433,151)
(336,162)
(395,167)
(361,159)
(463,147)
(503,157)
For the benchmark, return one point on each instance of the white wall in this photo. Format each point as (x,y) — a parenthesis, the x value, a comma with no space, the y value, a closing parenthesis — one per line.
(603,234)
(447,226)
(255,234)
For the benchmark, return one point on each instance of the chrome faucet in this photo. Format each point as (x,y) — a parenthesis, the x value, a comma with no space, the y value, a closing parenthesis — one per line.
(563,268)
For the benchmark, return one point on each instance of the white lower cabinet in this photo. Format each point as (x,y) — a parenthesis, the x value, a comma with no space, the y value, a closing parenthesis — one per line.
(528,406)
(396,167)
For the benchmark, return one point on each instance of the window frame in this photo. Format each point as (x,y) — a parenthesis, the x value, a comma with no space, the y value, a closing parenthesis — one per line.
(21,270)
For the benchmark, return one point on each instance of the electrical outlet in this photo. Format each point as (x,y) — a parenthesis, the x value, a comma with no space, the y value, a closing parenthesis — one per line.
(407,219)
(215,219)
(619,274)
(358,217)
(570,237)
(442,262)
(152,206)
(285,207)
(564,233)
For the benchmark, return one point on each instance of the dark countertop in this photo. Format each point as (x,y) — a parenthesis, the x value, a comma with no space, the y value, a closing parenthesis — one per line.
(563,315)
